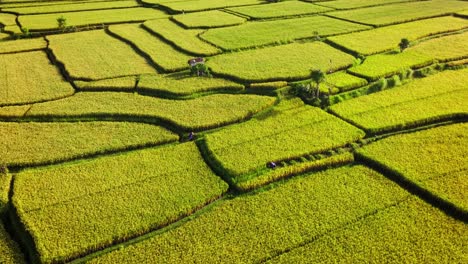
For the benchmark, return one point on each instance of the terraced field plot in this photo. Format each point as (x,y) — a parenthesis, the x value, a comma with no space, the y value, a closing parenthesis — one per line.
(301,134)
(277,31)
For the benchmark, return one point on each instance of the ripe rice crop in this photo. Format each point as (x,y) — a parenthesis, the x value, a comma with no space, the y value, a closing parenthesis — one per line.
(341,82)
(126,83)
(185,39)
(183,84)
(22,45)
(386,65)
(161,53)
(449,48)
(410,232)
(14,111)
(421,101)
(30,78)
(10,253)
(246,148)
(387,38)
(111,199)
(281,9)
(7,19)
(208,19)
(197,114)
(399,13)
(348,4)
(98,55)
(77,6)
(5,181)
(199,5)
(442,173)
(85,18)
(252,228)
(27,144)
(254,34)
(287,62)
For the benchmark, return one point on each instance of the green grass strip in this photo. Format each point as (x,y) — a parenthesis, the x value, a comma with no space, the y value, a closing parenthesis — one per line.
(399,13)
(253,227)
(281,9)
(411,232)
(442,173)
(421,101)
(253,34)
(287,62)
(111,199)
(29,77)
(197,114)
(185,39)
(94,55)
(208,19)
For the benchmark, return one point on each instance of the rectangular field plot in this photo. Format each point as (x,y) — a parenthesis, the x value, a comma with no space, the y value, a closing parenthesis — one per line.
(7,19)
(84,18)
(412,157)
(90,205)
(449,48)
(78,6)
(348,4)
(208,19)
(246,148)
(26,144)
(422,101)
(127,83)
(342,82)
(161,53)
(10,253)
(199,5)
(22,45)
(29,77)
(94,55)
(287,62)
(387,38)
(281,9)
(197,114)
(386,65)
(185,39)
(262,224)
(183,84)
(399,13)
(411,232)
(253,34)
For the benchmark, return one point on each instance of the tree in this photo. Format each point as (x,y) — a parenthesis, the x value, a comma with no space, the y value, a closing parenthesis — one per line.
(200,70)
(318,76)
(404,44)
(62,23)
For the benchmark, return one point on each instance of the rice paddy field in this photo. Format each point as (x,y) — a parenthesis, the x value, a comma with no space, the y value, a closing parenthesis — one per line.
(233,131)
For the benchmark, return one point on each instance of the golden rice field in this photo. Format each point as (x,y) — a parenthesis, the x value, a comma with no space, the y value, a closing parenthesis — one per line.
(233,131)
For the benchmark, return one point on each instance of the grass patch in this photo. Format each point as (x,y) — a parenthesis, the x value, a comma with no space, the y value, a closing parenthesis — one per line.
(287,62)
(442,173)
(386,65)
(254,227)
(254,34)
(22,45)
(281,9)
(449,48)
(208,19)
(10,253)
(246,148)
(126,83)
(387,38)
(419,102)
(26,144)
(77,6)
(411,232)
(399,13)
(184,39)
(199,5)
(30,77)
(197,114)
(94,55)
(161,53)
(184,84)
(118,197)
(85,18)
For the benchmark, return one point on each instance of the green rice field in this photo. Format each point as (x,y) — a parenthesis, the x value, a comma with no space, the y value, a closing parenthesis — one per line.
(233,131)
